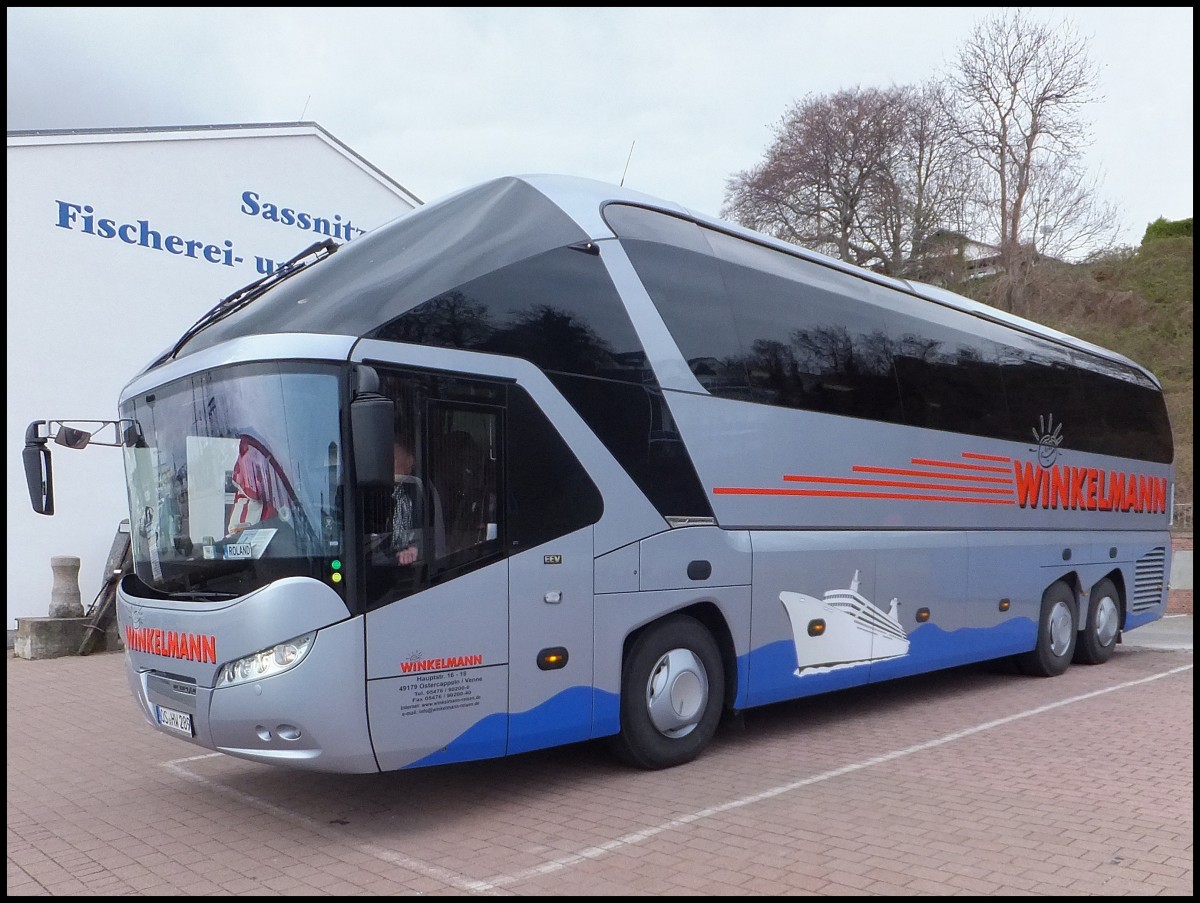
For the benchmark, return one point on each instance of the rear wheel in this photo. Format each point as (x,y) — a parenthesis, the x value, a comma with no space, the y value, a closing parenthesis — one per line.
(672,693)
(1098,638)
(1056,634)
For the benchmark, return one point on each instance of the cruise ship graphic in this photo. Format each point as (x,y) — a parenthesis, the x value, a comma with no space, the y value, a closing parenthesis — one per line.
(842,630)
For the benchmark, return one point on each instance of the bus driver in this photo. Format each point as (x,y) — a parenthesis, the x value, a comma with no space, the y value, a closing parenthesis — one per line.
(407,523)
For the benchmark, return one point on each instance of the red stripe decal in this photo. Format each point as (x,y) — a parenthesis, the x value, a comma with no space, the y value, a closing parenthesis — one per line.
(752,490)
(895,471)
(928,463)
(898,484)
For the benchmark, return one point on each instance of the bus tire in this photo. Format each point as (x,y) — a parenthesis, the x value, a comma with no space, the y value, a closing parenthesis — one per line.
(672,694)
(1098,638)
(1057,634)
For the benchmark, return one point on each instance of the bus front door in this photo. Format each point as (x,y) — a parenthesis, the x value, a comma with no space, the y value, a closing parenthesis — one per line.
(437,672)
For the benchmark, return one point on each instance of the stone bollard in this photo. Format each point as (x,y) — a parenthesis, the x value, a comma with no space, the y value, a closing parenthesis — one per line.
(65,600)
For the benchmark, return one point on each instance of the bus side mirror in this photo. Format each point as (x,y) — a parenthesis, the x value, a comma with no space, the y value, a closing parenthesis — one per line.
(70,437)
(39,475)
(372,424)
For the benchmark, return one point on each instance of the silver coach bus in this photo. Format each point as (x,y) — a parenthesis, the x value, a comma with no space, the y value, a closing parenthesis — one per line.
(549,460)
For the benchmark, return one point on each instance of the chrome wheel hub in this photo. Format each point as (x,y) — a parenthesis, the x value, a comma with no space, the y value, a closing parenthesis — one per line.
(1108,619)
(677,693)
(1061,627)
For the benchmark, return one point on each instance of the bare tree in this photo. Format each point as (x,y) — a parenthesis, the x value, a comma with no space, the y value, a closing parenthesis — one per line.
(864,175)
(1068,218)
(932,178)
(1019,88)
(829,157)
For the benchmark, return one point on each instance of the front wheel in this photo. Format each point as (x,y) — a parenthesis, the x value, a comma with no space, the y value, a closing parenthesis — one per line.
(1057,626)
(1098,638)
(672,693)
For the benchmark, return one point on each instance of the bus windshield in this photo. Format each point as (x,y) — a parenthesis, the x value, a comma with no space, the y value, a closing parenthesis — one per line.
(235,480)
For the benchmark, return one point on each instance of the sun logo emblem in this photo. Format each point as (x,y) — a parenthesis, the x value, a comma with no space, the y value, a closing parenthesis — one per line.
(1048,436)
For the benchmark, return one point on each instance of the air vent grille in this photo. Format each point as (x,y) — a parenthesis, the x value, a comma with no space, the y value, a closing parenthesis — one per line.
(1149,579)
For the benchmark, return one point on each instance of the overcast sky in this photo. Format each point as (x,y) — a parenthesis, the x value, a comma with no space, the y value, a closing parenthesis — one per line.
(675,101)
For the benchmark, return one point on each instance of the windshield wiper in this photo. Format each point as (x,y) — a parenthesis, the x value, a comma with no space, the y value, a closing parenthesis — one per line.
(255,289)
(202,594)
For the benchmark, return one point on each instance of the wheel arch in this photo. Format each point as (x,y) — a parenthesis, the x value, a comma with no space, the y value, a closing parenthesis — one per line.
(1078,596)
(713,620)
(1082,596)
(1117,577)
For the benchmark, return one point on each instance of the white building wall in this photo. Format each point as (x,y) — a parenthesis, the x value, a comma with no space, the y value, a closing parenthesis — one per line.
(86,312)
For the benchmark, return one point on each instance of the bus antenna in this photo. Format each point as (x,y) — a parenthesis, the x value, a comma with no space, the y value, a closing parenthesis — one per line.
(627,159)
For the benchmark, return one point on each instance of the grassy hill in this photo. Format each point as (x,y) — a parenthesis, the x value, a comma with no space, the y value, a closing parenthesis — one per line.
(1137,302)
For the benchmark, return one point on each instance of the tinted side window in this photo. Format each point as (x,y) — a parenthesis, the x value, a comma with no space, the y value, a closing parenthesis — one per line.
(635,424)
(676,267)
(758,324)
(949,373)
(806,342)
(950,383)
(1043,392)
(558,309)
(548,492)
(1129,414)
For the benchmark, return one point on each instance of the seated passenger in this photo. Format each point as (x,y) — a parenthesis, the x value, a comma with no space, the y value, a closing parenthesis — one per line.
(406,539)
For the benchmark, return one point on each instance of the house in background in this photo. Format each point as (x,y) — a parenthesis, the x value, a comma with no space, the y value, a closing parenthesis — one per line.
(950,257)
(120,239)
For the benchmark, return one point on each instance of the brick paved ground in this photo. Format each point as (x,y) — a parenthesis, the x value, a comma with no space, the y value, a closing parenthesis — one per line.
(970,782)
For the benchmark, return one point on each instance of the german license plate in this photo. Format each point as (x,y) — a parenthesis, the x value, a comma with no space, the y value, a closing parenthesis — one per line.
(180,722)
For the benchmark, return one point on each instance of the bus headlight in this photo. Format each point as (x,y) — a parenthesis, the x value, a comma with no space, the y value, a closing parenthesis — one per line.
(267,662)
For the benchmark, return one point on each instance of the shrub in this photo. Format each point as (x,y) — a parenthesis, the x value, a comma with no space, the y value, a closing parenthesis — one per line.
(1164,228)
